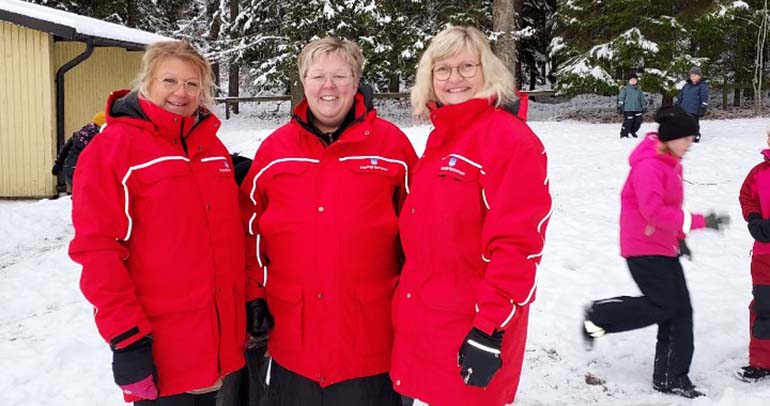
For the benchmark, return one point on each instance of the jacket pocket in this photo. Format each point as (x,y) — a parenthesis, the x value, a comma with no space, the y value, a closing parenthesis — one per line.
(447,292)
(161,170)
(375,328)
(285,304)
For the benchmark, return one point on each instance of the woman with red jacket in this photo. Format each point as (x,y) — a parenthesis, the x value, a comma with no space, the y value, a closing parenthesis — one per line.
(158,232)
(321,204)
(473,230)
(755,203)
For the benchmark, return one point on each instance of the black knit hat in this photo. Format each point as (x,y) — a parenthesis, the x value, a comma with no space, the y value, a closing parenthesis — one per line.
(674,123)
(632,75)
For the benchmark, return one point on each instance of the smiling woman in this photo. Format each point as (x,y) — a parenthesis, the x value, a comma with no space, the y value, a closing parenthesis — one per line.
(320,204)
(157,230)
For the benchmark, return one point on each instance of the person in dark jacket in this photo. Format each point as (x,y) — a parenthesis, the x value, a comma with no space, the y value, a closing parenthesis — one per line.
(694,97)
(632,105)
(70,151)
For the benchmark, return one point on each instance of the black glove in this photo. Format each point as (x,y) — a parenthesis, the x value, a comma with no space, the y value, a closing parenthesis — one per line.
(717,221)
(758,228)
(620,110)
(258,318)
(134,369)
(479,357)
(684,250)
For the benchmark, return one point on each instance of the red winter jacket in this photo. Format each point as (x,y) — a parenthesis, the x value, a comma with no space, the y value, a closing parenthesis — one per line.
(158,232)
(755,197)
(324,221)
(473,232)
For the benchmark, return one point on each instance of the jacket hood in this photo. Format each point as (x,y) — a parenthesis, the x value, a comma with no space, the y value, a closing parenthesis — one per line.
(648,149)
(766,154)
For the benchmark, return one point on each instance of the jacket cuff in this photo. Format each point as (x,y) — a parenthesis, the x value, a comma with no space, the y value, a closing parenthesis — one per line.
(753,216)
(487,326)
(130,336)
(698,222)
(254,293)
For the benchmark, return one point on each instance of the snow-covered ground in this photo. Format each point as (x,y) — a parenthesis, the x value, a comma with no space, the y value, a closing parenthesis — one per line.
(51,354)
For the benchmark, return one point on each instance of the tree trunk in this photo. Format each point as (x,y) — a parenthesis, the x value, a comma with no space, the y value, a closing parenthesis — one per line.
(504,24)
(737,97)
(131,13)
(233,75)
(394,82)
(668,99)
(296,91)
(213,15)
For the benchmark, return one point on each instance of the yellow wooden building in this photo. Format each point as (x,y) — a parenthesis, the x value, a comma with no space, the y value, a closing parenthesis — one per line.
(56,71)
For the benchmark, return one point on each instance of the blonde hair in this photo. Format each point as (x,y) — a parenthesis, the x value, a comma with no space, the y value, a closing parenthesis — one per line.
(498,80)
(347,49)
(156,52)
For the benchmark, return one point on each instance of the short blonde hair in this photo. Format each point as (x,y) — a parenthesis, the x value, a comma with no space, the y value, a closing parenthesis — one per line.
(156,52)
(347,49)
(498,80)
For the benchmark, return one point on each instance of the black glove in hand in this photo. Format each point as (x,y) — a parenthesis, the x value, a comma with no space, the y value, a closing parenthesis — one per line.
(717,221)
(479,357)
(258,318)
(684,250)
(758,228)
(134,369)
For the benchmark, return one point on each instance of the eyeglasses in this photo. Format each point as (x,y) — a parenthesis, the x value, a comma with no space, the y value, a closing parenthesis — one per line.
(466,70)
(338,78)
(171,84)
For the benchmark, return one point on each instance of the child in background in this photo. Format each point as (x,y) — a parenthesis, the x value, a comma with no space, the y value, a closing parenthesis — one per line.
(653,226)
(755,204)
(632,105)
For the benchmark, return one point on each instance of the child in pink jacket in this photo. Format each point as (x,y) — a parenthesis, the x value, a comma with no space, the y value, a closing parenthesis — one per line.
(755,204)
(653,226)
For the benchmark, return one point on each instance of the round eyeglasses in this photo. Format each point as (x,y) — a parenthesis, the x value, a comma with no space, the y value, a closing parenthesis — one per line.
(466,70)
(171,84)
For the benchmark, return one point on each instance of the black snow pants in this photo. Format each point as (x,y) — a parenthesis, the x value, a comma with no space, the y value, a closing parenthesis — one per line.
(289,389)
(632,120)
(666,302)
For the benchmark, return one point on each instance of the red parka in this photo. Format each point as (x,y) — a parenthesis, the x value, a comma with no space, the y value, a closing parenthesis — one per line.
(473,232)
(755,197)
(158,232)
(323,220)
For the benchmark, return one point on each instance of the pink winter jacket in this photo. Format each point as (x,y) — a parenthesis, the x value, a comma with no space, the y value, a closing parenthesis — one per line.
(652,220)
(755,197)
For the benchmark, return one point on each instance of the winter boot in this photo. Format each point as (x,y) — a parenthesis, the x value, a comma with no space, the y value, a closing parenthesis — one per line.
(753,374)
(590,331)
(683,387)
(634,135)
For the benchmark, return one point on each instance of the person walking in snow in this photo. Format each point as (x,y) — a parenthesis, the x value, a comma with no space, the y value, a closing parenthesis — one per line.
(694,97)
(653,226)
(755,204)
(321,204)
(632,105)
(159,236)
(473,230)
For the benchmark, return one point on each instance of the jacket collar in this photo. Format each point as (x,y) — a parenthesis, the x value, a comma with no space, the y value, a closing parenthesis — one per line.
(452,119)
(127,106)
(361,110)
(766,154)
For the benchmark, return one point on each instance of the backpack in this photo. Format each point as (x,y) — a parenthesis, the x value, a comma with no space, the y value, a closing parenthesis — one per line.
(68,155)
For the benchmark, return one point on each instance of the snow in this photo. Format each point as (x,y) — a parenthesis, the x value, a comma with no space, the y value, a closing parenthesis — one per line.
(81,24)
(52,354)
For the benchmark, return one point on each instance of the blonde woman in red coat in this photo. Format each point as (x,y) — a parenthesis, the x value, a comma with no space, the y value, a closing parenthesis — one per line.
(472,228)
(158,232)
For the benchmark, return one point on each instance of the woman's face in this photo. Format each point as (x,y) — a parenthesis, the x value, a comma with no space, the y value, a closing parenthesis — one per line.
(330,89)
(465,77)
(679,146)
(176,86)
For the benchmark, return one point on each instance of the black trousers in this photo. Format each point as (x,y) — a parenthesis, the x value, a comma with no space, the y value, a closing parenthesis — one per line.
(632,120)
(289,389)
(666,302)
(183,399)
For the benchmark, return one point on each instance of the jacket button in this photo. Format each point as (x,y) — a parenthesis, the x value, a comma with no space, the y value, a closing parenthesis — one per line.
(323,379)
(366,132)
(176,119)
(408,295)
(320,295)
(412,210)
(200,147)
(398,382)
(321,209)
(208,207)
